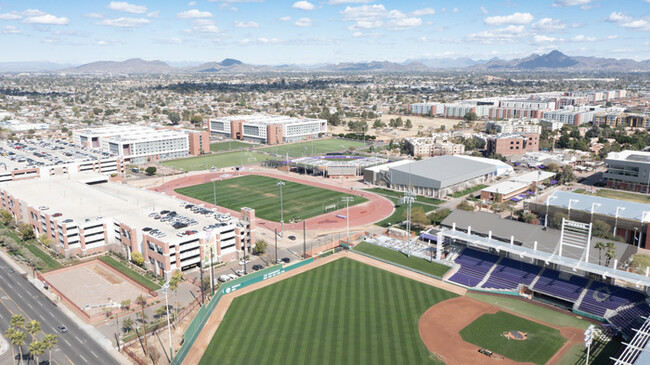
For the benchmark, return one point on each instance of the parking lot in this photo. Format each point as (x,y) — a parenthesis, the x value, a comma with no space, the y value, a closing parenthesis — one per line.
(29,154)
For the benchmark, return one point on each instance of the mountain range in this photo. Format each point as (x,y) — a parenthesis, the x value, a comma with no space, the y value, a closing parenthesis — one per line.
(552,61)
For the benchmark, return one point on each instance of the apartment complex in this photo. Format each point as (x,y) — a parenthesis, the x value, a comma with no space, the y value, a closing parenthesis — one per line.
(616,119)
(514,126)
(137,144)
(570,116)
(433,146)
(522,108)
(269,129)
(426,108)
(628,170)
(86,214)
(512,144)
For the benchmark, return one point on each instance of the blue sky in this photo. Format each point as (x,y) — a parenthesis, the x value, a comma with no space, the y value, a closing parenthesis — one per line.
(308,31)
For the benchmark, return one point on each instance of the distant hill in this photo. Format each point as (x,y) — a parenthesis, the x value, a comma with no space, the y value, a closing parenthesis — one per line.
(376,66)
(132,66)
(230,65)
(34,66)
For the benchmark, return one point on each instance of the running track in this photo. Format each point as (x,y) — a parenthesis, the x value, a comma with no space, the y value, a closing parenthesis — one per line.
(375,209)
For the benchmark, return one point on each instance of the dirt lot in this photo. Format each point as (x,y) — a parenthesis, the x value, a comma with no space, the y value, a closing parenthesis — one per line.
(428,125)
(441,324)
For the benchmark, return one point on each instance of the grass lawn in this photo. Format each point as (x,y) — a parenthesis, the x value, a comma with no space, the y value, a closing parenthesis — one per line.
(49,263)
(262,194)
(622,195)
(399,194)
(413,262)
(344,312)
(229,145)
(546,315)
(398,214)
(598,354)
(130,272)
(219,160)
(312,148)
(458,194)
(487,332)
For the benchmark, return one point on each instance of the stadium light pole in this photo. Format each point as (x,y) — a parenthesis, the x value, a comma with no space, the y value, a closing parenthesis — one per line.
(548,200)
(616,220)
(593,205)
(214,188)
(347,200)
(165,288)
(408,199)
(281,184)
(589,337)
(571,201)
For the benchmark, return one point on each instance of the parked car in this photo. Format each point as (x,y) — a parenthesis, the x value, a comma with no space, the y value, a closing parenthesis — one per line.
(286,260)
(223,278)
(62,329)
(293,238)
(232,276)
(257,267)
(239,272)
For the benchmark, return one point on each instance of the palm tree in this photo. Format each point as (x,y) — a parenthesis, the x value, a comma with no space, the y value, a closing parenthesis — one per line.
(610,253)
(9,334)
(35,349)
(49,341)
(600,245)
(33,327)
(17,321)
(18,339)
(142,301)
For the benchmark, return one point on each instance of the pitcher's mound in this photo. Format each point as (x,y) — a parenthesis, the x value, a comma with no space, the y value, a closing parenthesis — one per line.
(516,335)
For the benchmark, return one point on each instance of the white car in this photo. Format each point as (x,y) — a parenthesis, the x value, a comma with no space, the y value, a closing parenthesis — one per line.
(232,276)
(224,278)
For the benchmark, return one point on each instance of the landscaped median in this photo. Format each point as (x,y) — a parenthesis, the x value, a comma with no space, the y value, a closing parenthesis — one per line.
(134,275)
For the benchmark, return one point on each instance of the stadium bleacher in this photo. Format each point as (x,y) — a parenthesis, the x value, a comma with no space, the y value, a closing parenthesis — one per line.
(550,283)
(474,265)
(601,296)
(510,273)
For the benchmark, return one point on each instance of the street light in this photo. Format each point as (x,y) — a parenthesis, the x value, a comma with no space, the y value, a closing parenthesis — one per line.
(571,201)
(548,200)
(165,287)
(593,205)
(347,200)
(616,219)
(281,184)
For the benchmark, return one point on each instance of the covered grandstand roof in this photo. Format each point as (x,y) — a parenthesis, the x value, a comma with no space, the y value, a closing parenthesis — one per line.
(634,211)
(637,350)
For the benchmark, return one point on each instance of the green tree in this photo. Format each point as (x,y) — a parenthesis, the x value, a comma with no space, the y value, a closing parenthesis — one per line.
(600,246)
(49,341)
(9,334)
(260,247)
(33,327)
(142,302)
(161,311)
(18,339)
(408,124)
(36,349)
(6,217)
(137,258)
(439,215)
(418,216)
(17,322)
(174,117)
(126,303)
(26,232)
(610,253)
(151,170)
(557,219)
(465,205)
(470,117)
(601,229)
(566,175)
(197,120)
(127,324)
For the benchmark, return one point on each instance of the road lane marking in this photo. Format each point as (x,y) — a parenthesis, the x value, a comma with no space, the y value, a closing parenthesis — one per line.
(29,305)
(66,341)
(81,356)
(78,339)
(51,315)
(94,354)
(66,356)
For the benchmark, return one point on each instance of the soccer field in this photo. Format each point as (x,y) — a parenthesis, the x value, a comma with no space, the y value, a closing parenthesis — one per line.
(344,312)
(316,147)
(229,145)
(218,160)
(262,194)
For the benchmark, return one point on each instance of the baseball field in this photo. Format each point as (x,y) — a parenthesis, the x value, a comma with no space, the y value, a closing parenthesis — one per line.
(344,312)
(262,194)
(312,148)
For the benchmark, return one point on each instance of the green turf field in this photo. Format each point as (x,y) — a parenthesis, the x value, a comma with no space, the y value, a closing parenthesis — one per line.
(399,194)
(219,160)
(400,211)
(229,145)
(487,332)
(344,312)
(413,262)
(262,194)
(316,147)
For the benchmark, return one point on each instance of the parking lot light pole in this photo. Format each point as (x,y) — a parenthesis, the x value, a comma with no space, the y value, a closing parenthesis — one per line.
(281,184)
(593,206)
(347,200)
(165,288)
(570,202)
(548,200)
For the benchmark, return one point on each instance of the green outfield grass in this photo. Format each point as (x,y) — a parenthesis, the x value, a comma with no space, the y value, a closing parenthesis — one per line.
(599,353)
(219,160)
(487,332)
(229,145)
(262,194)
(344,312)
(413,262)
(312,148)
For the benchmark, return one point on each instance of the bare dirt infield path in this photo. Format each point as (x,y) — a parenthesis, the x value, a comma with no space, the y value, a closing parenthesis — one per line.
(440,326)
(210,328)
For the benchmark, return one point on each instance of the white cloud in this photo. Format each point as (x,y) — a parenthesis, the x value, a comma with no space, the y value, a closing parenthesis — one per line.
(10,29)
(424,11)
(583,38)
(341,2)
(544,39)
(454,10)
(303,5)
(484,10)
(303,22)
(153,14)
(236,1)
(614,36)
(499,35)
(191,3)
(516,18)
(47,19)
(125,7)
(285,19)
(102,43)
(124,22)
(548,24)
(564,3)
(194,14)
(11,16)
(94,15)
(250,24)
(377,16)
(628,22)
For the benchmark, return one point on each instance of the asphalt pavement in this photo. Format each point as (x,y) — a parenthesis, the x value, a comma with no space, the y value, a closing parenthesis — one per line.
(19,296)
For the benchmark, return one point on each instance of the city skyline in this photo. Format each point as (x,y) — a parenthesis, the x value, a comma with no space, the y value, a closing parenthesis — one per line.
(311,32)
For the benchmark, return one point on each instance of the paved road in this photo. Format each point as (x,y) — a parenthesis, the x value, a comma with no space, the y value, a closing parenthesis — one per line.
(18,296)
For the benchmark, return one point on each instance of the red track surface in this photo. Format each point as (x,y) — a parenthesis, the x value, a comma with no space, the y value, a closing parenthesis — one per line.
(374,210)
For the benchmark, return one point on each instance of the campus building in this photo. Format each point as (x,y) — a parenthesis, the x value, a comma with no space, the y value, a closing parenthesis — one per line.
(426,108)
(86,214)
(137,144)
(516,188)
(268,129)
(514,126)
(570,117)
(628,170)
(512,144)
(432,146)
(615,119)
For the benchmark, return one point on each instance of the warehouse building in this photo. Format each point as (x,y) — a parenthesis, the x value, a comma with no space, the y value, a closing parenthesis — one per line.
(86,214)
(268,129)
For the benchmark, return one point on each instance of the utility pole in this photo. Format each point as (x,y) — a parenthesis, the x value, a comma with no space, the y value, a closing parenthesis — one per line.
(347,200)
(281,184)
